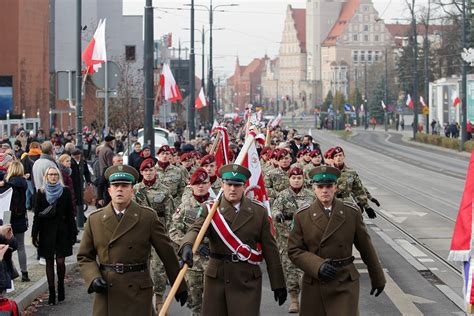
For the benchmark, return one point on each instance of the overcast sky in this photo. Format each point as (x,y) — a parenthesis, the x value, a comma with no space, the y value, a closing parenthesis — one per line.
(251,30)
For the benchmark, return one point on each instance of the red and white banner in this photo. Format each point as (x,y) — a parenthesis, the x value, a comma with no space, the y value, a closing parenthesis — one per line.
(456,101)
(169,87)
(222,152)
(201,100)
(276,121)
(422,101)
(235,245)
(95,53)
(410,102)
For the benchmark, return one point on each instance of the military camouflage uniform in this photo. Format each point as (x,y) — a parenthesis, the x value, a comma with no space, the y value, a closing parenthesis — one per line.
(173,179)
(350,188)
(276,181)
(159,199)
(185,171)
(184,217)
(287,203)
(216,185)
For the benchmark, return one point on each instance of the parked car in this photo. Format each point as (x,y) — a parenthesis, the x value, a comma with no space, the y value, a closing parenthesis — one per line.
(162,137)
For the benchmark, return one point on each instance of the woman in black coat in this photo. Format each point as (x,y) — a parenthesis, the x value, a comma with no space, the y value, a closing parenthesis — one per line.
(54,234)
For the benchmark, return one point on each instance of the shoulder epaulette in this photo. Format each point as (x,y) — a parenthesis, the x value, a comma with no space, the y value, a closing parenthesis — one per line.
(352,206)
(97,211)
(148,208)
(302,208)
(258,203)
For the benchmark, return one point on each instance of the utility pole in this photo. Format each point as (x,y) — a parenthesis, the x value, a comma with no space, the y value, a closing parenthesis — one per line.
(79,73)
(210,84)
(385,93)
(464,80)
(191,126)
(366,113)
(203,38)
(414,70)
(148,135)
(426,47)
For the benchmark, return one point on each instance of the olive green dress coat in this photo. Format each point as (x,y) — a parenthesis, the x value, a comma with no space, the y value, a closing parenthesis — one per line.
(110,241)
(316,237)
(236,288)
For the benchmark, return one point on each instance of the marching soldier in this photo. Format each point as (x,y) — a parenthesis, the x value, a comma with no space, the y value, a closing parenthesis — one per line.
(316,160)
(155,195)
(114,251)
(208,162)
(240,238)
(320,244)
(183,218)
(169,175)
(349,185)
(300,158)
(187,164)
(287,202)
(277,179)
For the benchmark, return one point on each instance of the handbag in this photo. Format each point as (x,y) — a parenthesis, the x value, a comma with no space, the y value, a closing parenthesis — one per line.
(89,195)
(48,212)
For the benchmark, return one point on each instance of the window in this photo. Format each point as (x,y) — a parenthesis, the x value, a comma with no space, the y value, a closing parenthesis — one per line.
(355,56)
(130,53)
(366,28)
(354,37)
(365,8)
(366,38)
(362,55)
(376,38)
(377,55)
(369,56)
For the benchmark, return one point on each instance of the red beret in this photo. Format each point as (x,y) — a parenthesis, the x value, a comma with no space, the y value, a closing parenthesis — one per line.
(328,153)
(302,152)
(207,159)
(265,150)
(315,153)
(198,154)
(336,150)
(173,150)
(147,163)
(199,176)
(163,148)
(282,153)
(295,171)
(186,156)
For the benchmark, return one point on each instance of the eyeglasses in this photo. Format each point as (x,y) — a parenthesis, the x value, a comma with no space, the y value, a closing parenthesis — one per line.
(53,174)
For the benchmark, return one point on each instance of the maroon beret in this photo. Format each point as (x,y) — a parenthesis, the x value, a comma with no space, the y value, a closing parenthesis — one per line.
(199,176)
(295,171)
(336,150)
(147,163)
(173,150)
(315,152)
(163,148)
(282,153)
(207,159)
(328,153)
(265,150)
(186,156)
(302,152)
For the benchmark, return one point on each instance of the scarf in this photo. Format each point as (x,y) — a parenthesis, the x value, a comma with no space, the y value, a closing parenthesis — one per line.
(296,190)
(149,183)
(53,192)
(340,167)
(163,165)
(66,170)
(34,152)
(202,198)
(213,179)
(285,169)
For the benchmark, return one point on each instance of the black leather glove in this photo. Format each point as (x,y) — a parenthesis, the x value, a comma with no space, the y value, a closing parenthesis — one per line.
(35,241)
(99,285)
(375,201)
(181,297)
(203,250)
(370,212)
(187,255)
(327,272)
(377,290)
(280,218)
(280,295)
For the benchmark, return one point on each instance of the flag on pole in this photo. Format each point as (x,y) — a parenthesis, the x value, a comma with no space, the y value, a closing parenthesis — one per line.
(95,53)
(410,102)
(461,246)
(361,108)
(456,101)
(201,100)
(255,186)
(383,105)
(422,101)
(222,152)
(169,88)
(5,199)
(276,121)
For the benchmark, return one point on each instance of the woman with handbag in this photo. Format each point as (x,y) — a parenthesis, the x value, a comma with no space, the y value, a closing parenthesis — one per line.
(54,229)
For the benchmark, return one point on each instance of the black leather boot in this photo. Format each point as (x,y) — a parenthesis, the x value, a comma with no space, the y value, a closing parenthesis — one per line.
(61,294)
(52,296)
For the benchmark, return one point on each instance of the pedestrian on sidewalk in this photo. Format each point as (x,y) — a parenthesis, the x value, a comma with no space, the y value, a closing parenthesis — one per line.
(54,229)
(7,246)
(19,221)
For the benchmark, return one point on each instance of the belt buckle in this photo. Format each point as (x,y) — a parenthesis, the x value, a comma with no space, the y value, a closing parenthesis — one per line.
(242,257)
(119,268)
(234,257)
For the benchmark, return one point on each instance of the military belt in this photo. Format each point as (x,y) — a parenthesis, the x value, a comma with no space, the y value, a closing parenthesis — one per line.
(337,263)
(121,268)
(232,258)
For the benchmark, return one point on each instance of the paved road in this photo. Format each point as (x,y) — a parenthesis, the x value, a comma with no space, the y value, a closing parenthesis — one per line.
(411,234)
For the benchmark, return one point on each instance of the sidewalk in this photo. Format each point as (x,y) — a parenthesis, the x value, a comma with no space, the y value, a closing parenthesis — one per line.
(26,292)
(407,137)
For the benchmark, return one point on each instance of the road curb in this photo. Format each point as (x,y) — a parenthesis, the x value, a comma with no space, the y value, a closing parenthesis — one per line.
(25,298)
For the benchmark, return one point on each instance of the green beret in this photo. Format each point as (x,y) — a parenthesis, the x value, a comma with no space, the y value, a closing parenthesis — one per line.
(324,175)
(121,174)
(234,174)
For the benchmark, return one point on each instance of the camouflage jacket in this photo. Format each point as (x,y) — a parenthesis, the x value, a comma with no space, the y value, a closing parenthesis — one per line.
(181,220)
(158,198)
(275,182)
(350,188)
(173,179)
(216,185)
(184,171)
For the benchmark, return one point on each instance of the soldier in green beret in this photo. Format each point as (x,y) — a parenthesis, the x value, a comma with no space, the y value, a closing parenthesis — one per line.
(320,244)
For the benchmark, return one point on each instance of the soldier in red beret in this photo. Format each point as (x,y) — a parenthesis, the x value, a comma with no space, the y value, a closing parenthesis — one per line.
(328,157)
(208,162)
(277,179)
(170,175)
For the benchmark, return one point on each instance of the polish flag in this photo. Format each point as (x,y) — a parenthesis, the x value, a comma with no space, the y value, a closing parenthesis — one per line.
(169,88)
(276,121)
(409,102)
(95,54)
(383,105)
(422,101)
(201,100)
(222,152)
(361,108)
(456,101)
(255,186)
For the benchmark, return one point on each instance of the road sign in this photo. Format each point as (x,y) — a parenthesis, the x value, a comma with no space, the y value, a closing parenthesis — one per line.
(426,110)
(98,78)
(100,94)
